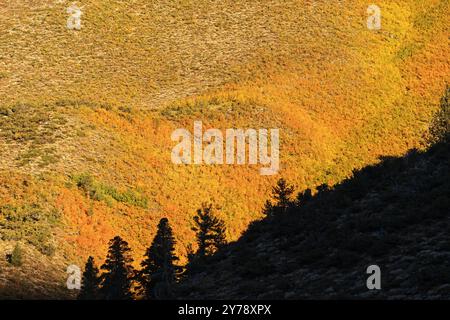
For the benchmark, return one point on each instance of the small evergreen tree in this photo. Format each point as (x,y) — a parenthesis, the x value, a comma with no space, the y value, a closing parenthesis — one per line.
(16,256)
(116,282)
(281,193)
(158,269)
(439,130)
(268,209)
(90,281)
(210,231)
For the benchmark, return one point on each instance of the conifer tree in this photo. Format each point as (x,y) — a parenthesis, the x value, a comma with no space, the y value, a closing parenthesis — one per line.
(158,269)
(90,281)
(210,231)
(281,193)
(268,209)
(439,130)
(116,282)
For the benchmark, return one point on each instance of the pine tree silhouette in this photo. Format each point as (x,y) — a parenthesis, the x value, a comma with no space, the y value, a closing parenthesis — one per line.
(210,231)
(158,269)
(439,130)
(90,281)
(281,193)
(116,282)
(268,209)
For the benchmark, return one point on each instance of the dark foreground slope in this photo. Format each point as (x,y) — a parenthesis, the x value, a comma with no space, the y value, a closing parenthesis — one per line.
(394,215)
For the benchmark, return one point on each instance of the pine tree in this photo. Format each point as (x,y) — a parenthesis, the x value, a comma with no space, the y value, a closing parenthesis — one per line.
(116,282)
(210,231)
(158,269)
(281,193)
(439,130)
(268,209)
(90,281)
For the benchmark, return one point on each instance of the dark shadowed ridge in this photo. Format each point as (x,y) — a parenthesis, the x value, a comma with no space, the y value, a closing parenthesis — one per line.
(393,214)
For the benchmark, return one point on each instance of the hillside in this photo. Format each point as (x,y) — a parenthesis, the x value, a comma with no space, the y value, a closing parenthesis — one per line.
(86,115)
(394,215)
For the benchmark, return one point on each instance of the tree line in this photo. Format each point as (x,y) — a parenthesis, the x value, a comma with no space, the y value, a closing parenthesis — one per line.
(159,269)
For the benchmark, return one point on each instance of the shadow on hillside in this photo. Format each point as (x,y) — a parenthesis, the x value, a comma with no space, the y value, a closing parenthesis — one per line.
(393,214)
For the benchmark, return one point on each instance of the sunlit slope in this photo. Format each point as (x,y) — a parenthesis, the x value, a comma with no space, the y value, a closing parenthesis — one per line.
(104,100)
(147,52)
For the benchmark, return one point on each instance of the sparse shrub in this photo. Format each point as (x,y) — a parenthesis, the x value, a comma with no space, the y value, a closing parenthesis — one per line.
(16,257)
(47,249)
(84,182)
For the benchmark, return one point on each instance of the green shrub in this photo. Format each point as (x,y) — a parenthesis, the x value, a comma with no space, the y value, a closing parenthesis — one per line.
(102,192)
(16,256)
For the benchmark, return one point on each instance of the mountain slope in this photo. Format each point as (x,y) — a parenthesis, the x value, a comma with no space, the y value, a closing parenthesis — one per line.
(394,215)
(86,116)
